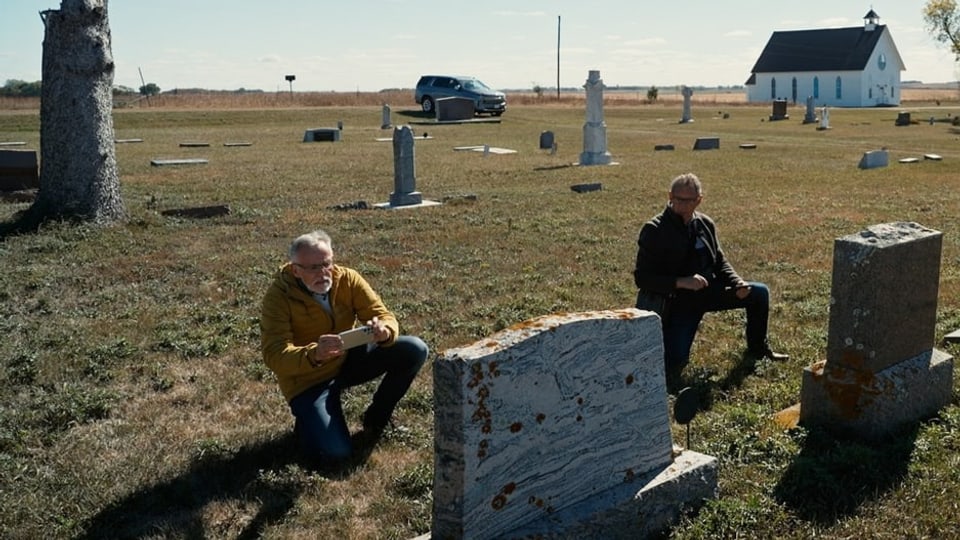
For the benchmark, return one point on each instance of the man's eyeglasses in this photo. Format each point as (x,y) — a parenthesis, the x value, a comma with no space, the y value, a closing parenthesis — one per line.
(315,267)
(687,200)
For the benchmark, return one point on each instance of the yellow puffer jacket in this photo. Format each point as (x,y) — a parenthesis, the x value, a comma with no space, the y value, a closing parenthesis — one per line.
(291,321)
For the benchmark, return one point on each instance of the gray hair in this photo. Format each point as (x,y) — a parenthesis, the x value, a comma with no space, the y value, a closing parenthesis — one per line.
(312,239)
(686,180)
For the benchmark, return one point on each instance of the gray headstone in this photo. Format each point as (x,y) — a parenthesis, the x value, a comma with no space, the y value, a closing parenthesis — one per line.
(881,371)
(824,118)
(595,129)
(903,119)
(706,143)
(662,147)
(385,122)
(556,424)
(810,117)
(454,109)
(19,170)
(404,169)
(874,159)
(687,93)
(546,140)
(321,135)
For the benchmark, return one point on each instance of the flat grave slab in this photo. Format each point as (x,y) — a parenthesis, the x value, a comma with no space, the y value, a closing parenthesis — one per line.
(492,149)
(194,144)
(122,141)
(932,157)
(13,143)
(748,146)
(493,120)
(390,139)
(909,160)
(165,162)
(234,144)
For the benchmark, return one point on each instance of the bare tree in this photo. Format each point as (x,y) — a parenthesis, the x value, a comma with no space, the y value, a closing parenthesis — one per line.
(78,166)
(943,21)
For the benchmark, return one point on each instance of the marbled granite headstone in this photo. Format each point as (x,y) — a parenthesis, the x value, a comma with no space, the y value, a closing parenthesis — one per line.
(881,370)
(595,129)
(546,140)
(560,424)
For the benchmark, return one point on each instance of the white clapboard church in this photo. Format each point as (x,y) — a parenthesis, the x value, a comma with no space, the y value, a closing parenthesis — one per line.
(840,67)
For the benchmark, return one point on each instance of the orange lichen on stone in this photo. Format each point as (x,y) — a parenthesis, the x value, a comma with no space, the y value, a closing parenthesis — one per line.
(851,390)
(788,418)
(515,427)
(630,379)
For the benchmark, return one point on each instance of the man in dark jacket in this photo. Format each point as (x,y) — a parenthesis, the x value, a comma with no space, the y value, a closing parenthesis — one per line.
(682,274)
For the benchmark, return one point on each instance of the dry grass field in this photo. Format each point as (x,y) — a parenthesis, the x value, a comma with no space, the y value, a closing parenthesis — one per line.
(134,404)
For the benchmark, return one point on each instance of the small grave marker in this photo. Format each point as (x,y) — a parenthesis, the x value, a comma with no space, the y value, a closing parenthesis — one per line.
(585,188)
(748,146)
(707,143)
(194,144)
(164,162)
(662,147)
(321,135)
(932,157)
(874,159)
(19,170)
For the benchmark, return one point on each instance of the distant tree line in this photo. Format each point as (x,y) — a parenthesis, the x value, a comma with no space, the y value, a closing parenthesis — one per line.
(15,88)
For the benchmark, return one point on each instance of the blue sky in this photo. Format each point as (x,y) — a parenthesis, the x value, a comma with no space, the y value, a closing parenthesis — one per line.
(369,45)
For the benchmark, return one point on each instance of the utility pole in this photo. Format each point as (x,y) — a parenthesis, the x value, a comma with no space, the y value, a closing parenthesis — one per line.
(558,58)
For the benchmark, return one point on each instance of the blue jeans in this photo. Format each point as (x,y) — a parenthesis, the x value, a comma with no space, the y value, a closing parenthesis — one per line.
(680,327)
(321,427)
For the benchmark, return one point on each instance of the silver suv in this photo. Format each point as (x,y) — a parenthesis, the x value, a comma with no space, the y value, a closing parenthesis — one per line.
(430,88)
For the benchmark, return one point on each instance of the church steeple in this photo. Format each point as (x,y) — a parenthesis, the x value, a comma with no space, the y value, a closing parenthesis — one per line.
(871,20)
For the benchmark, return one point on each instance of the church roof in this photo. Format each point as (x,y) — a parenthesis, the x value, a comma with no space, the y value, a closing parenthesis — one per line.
(832,49)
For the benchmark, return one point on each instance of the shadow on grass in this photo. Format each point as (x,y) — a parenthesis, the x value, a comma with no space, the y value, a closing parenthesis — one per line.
(706,386)
(416,113)
(831,478)
(261,480)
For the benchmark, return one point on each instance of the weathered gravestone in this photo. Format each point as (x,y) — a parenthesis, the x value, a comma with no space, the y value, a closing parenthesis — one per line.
(779,110)
(707,143)
(454,109)
(405,192)
(874,159)
(595,129)
(558,427)
(385,121)
(546,140)
(881,373)
(903,119)
(824,118)
(321,135)
(810,117)
(19,170)
(687,93)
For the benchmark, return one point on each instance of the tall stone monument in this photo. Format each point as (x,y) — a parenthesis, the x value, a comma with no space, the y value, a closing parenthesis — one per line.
(404,169)
(558,427)
(385,121)
(824,118)
(79,177)
(811,116)
(687,93)
(595,129)
(881,372)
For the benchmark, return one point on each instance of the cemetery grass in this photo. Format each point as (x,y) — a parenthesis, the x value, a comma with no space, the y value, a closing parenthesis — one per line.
(133,401)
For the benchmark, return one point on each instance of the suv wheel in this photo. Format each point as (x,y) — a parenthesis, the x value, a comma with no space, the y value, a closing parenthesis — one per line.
(427,104)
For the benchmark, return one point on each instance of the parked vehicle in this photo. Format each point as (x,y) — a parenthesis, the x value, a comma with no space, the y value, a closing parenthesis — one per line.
(430,88)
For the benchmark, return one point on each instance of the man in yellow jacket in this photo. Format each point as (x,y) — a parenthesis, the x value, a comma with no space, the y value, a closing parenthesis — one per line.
(309,304)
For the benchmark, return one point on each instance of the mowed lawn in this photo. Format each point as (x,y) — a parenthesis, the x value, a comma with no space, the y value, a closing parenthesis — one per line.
(133,401)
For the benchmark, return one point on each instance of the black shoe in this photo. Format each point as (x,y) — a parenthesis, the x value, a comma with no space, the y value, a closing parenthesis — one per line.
(375,424)
(769,354)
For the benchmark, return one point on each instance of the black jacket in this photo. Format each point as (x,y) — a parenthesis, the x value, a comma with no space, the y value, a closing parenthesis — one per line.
(665,252)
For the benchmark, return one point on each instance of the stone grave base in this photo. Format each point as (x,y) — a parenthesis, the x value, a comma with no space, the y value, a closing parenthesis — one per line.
(871,406)
(421,204)
(643,508)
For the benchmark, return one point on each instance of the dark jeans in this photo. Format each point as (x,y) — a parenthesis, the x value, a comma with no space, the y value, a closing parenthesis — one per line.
(680,327)
(322,429)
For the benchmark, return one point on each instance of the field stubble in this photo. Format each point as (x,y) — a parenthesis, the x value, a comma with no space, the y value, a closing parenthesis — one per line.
(135,403)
